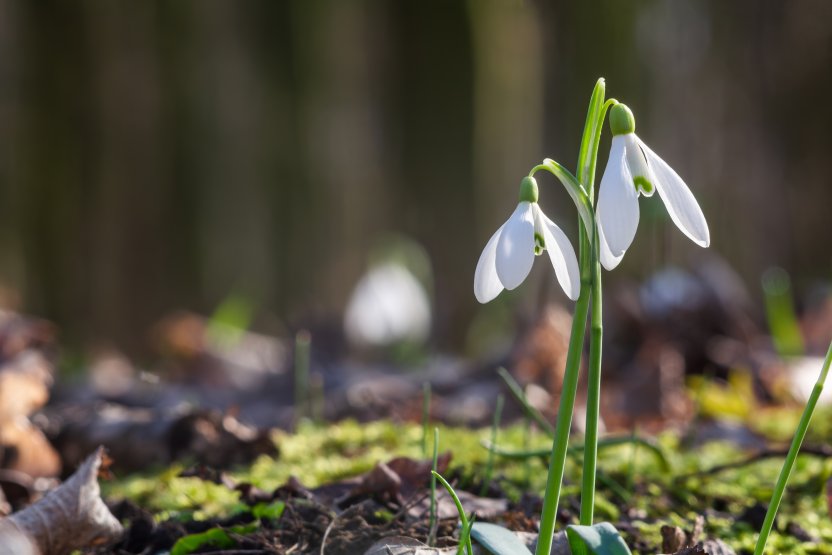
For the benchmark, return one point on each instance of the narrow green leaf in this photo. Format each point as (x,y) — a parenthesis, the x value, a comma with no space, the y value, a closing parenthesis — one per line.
(780,313)
(599,539)
(190,543)
(271,511)
(603,443)
(498,540)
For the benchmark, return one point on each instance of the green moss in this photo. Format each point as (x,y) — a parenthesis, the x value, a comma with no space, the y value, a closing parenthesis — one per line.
(166,493)
(317,455)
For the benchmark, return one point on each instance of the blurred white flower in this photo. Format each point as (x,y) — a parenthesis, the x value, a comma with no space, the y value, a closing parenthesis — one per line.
(388,305)
(633,169)
(508,256)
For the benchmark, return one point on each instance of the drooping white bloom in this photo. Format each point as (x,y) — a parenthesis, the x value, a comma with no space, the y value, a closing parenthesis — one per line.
(508,256)
(633,169)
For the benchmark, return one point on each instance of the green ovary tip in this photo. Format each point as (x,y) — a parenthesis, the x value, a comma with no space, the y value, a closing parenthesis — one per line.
(643,184)
(528,190)
(539,244)
(622,121)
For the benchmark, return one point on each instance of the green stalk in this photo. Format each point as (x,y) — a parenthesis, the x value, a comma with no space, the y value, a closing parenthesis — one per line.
(557,461)
(425,416)
(608,442)
(489,466)
(303,343)
(463,519)
(788,465)
(532,414)
(593,398)
(433,522)
(631,468)
(560,444)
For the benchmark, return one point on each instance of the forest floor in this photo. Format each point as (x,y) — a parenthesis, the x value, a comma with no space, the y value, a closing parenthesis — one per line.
(340,488)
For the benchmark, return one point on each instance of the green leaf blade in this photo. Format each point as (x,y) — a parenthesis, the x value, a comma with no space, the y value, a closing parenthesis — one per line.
(190,543)
(599,539)
(498,540)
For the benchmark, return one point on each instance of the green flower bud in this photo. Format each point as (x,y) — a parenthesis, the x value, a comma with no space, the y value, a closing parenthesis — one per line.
(622,121)
(528,190)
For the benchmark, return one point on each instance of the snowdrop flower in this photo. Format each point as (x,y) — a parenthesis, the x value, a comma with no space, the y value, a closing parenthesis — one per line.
(632,170)
(387,306)
(507,258)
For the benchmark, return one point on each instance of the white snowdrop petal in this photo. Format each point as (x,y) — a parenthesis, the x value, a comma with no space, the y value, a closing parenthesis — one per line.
(608,260)
(679,201)
(617,211)
(486,283)
(636,162)
(515,247)
(638,166)
(562,255)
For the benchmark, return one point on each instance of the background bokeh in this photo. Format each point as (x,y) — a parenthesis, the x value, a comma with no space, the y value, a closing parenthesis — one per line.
(163,155)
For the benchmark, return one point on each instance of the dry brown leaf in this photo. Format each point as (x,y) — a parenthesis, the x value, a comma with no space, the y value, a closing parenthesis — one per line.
(673,539)
(27,449)
(72,516)
(24,388)
(24,385)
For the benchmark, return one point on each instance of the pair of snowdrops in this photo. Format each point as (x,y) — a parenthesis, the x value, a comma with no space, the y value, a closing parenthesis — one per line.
(633,169)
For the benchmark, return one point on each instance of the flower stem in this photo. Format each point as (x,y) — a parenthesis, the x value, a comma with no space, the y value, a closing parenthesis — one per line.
(593,397)
(557,461)
(791,457)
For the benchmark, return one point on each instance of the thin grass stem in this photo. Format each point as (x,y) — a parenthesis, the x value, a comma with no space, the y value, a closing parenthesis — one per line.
(788,464)
(531,412)
(489,467)
(433,523)
(425,417)
(463,519)
(303,345)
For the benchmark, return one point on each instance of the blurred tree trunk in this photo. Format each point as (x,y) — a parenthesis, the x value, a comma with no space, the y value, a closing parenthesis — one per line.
(160,155)
(347,155)
(436,191)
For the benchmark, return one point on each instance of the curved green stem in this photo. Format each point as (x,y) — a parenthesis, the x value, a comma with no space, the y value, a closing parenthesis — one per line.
(788,465)
(606,443)
(557,461)
(465,537)
(573,187)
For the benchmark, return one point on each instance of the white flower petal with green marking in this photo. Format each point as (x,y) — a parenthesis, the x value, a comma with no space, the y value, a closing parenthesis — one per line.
(561,254)
(617,211)
(486,283)
(633,169)
(515,247)
(679,201)
(509,254)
